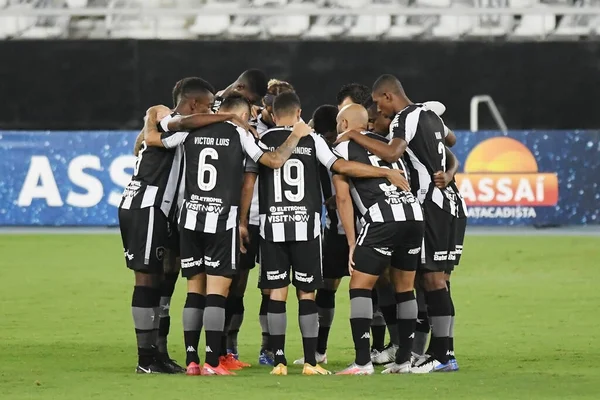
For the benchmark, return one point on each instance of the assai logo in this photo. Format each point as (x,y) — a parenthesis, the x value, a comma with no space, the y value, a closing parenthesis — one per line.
(501,177)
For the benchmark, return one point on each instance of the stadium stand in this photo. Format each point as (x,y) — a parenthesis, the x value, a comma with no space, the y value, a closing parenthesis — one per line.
(309,19)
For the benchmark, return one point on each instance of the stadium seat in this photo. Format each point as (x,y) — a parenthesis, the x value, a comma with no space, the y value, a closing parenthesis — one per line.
(370,26)
(42,32)
(268,3)
(578,25)
(491,25)
(290,25)
(452,26)
(327,27)
(213,25)
(534,26)
(246,26)
(77,3)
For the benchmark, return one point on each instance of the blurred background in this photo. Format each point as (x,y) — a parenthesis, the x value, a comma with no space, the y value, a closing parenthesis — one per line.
(519,79)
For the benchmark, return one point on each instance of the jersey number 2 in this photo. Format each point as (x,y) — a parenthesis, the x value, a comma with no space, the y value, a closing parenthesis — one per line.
(297,182)
(207,170)
(442,151)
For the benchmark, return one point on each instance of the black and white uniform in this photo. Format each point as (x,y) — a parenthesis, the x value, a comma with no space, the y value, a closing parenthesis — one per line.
(290,213)
(392,220)
(208,219)
(460,224)
(335,243)
(148,205)
(424,132)
(249,260)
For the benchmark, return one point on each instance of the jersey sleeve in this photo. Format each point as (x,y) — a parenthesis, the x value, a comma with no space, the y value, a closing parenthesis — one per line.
(250,145)
(251,166)
(342,150)
(168,138)
(324,153)
(404,125)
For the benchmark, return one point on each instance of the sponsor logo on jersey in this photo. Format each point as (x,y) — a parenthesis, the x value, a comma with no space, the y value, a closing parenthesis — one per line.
(501,180)
(303,277)
(210,263)
(440,256)
(276,275)
(205,208)
(190,262)
(275,219)
(383,250)
(128,255)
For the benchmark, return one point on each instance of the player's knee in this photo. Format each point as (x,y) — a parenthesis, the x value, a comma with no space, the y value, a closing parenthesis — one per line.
(279,294)
(434,281)
(325,298)
(302,295)
(197,284)
(146,279)
(331,284)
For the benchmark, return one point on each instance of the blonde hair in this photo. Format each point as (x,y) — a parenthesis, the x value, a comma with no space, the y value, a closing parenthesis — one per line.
(275,87)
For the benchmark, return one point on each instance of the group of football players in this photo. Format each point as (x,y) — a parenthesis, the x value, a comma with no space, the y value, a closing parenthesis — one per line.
(227,179)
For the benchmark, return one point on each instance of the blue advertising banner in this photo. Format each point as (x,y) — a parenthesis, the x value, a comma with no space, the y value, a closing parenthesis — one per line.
(519,178)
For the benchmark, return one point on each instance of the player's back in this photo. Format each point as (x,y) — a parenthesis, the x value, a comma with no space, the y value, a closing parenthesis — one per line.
(424,131)
(155,179)
(375,198)
(214,165)
(290,196)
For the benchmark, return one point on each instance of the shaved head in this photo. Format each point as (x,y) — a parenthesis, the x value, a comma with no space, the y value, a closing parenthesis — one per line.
(352,116)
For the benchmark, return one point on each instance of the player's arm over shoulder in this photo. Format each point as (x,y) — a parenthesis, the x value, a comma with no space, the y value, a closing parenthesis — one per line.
(275,159)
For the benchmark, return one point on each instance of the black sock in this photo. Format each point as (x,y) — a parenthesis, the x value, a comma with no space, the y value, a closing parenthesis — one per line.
(406,304)
(378,331)
(167,287)
(144,305)
(325,300)
(264,322)
(439,310)
(451,334)
(237,318)
(308,319)
(277,327)
(389,315)
(361,312)
(214,324)
(193,315)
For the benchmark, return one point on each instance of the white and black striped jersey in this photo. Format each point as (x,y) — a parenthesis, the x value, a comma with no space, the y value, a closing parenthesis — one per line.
(253,215)
(333,221)
(290,197)
(424,132)
(156,177)
(462,210)
(214,167)
(377,199)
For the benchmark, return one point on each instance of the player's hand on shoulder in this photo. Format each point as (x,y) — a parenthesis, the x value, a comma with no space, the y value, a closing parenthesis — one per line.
(396,178)
(159,111)
(442,179)
(301,129)
(345,136)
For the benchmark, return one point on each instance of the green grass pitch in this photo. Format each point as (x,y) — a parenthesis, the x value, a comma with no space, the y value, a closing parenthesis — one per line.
(527,327)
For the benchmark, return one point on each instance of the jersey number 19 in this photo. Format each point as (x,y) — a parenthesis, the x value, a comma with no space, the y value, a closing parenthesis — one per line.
(293,176)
